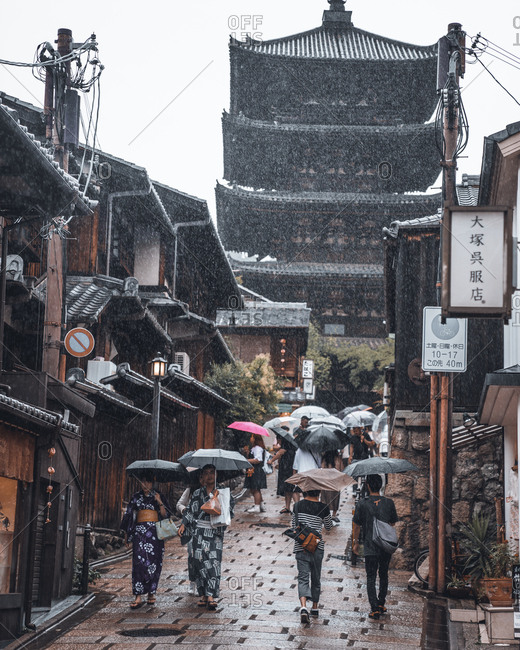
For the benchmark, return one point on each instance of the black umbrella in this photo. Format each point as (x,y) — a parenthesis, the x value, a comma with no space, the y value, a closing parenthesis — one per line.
(321,438)
(162,471)
(286,435)
(379,465)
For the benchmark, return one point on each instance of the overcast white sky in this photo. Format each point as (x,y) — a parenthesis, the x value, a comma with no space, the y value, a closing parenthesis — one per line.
(170,57)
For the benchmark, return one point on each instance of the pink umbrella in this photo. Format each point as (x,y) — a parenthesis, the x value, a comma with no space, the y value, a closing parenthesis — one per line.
(249,427)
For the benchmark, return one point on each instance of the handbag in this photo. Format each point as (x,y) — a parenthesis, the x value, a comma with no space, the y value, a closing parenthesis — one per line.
(212,505)
(224,519)
(250,471)
(268,469)
(166,529)
(308,539)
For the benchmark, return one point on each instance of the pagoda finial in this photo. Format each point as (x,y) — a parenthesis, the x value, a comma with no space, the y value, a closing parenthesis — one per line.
(336,17)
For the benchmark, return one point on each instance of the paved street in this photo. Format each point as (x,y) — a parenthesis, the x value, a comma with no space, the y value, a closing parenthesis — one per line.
(259,604)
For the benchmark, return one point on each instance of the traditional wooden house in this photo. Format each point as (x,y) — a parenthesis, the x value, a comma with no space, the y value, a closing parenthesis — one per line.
(279,330)
(145,273)
(475,454)
(325,142)
(500,394)
(39,415)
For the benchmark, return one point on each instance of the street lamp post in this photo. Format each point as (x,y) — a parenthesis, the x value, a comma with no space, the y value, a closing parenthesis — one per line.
(158,372)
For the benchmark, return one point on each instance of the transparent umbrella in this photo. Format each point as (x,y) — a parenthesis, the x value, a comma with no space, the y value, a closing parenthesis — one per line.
(283,421)
(359,419)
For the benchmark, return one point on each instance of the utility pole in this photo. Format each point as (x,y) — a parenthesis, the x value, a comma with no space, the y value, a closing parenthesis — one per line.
(57,80)
(450,69)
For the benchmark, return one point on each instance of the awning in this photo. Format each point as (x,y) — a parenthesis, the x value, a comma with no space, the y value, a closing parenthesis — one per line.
(463,436)
(499,398)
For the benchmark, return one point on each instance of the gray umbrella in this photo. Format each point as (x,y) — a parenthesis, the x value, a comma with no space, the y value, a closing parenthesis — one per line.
(222,459)
(379,465)
(162,470)
(286,435)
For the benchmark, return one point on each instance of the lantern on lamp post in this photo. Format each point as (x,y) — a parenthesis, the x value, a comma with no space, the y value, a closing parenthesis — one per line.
(158,367)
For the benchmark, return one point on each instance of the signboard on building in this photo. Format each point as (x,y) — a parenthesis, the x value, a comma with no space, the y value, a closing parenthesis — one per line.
(477,262)
(307,369)
(444,346)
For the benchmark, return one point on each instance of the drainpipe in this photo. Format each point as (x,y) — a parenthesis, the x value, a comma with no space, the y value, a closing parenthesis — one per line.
(184,224)
(111,197)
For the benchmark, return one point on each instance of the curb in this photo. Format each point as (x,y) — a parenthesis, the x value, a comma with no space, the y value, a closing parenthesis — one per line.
(29,637)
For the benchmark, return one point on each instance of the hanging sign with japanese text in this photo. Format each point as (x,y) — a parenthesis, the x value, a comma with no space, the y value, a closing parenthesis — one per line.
(476,262)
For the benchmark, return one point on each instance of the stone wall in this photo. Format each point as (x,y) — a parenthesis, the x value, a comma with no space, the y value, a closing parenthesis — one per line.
(477,481)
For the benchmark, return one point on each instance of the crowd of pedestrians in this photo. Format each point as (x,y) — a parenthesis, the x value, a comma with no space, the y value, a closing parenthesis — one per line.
(313,512)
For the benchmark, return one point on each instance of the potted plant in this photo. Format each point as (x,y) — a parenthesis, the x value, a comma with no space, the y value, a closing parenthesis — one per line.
(497,581)
(458,587)
(488,563)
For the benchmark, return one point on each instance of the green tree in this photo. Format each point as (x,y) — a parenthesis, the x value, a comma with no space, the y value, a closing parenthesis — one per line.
(253,389)
(358,368)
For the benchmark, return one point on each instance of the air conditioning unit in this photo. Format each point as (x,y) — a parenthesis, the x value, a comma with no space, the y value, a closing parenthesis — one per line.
(183,360)
(98,369)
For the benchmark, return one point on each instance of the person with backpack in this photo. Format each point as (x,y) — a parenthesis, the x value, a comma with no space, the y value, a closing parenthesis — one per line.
(381,509)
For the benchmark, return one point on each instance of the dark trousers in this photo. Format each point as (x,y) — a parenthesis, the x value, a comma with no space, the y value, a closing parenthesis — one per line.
(373,564)
(309,574)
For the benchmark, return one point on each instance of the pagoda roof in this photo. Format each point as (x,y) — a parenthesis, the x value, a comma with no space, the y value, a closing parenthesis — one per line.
(313,269)
(355,198)
(345,43)
(408,130)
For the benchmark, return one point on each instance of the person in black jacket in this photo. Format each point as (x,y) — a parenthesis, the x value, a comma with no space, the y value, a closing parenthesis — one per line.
(376,560)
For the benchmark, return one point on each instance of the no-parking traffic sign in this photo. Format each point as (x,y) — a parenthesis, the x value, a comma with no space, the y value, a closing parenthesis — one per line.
(79,342)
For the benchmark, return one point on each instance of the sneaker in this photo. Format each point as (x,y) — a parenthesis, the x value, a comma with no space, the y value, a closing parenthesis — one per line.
(253,509)
(262,508)
(374,615)
(382,609)
(304,615)
(315,612)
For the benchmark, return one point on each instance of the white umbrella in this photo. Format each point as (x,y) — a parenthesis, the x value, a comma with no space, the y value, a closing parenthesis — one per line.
(310,412)
(330,420)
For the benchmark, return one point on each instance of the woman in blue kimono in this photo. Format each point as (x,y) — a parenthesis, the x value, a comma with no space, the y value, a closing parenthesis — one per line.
(145,508)
(207,541)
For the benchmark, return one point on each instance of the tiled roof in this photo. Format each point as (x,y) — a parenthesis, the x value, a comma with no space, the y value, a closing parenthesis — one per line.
(32,412)
(262,315)
(9,119)
(421,222)
(346,43)
(331,197)
(87,297)
(311,269)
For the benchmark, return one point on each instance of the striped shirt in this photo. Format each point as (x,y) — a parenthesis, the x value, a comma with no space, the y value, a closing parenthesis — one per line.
(313,516)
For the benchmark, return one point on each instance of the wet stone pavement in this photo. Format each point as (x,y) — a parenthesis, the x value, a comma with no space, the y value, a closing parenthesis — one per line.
(258,606)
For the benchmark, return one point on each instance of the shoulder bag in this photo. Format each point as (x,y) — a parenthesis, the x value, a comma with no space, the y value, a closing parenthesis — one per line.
(166,529)
(308,539)
(384,535)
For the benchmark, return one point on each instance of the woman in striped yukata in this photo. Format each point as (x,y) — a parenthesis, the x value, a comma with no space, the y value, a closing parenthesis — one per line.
(313,516)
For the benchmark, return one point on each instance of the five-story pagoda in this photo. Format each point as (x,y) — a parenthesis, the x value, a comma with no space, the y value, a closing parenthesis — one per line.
(326,142)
